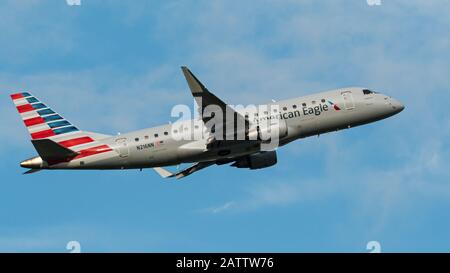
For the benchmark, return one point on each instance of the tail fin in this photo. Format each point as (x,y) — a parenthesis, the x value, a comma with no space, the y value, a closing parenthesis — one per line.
(44,123)
(40,120)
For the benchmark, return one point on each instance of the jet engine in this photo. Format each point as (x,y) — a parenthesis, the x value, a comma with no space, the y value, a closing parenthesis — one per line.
(257,161)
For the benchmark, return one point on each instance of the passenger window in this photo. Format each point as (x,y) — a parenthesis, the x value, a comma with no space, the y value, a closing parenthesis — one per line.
(284,108)
(313,102)
(145,137)
(304,104)
(323,100)
(166,133)
(156,135)
(294,106)
(136,139)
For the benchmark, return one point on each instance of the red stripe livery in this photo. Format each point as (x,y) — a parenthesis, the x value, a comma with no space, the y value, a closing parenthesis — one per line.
(16,96)
(93,151)
(24,108)
(75,141)
(42,134)
(33,121)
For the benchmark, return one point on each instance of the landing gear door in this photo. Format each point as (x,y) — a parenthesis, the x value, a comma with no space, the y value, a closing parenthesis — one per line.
(349,103)
(122,147)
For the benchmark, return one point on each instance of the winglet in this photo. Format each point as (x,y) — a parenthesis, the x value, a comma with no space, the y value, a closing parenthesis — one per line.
(163,172)
(194,84)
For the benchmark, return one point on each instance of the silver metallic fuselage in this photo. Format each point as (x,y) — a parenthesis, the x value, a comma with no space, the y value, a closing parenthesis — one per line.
(141,149)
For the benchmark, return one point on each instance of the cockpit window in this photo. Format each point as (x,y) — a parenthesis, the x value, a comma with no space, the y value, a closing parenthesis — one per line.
(367,91)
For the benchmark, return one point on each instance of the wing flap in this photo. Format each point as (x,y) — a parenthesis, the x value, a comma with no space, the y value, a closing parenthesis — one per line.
(188,171)
(163,172)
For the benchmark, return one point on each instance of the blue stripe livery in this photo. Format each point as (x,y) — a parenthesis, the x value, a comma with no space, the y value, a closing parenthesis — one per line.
(45,112)
(52,118)
(38,106)
(59,124)
(32,100)
(65,130)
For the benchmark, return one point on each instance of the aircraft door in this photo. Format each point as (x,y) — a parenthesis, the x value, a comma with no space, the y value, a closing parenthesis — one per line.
(349,103)
(122,147)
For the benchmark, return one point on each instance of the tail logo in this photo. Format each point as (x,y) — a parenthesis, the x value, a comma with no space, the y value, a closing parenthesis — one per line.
(40,120)
(334,105)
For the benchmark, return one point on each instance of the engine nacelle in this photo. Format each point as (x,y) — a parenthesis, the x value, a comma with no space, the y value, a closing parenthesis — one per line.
(267,130)
(257,161)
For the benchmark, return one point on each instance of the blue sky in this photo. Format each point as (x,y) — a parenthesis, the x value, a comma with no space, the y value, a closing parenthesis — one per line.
(113,66)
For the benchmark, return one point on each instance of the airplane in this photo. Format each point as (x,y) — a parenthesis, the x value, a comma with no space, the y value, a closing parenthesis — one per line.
(216,137)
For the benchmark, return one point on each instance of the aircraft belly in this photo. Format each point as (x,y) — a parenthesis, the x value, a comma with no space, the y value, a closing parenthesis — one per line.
(108,160)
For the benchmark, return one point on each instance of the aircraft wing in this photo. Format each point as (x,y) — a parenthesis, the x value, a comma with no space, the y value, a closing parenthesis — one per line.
(190,170)
(209,104)
(238,161)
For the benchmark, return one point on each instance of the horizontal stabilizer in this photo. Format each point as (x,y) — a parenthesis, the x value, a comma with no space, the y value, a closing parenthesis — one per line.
(32,171)
(51,151)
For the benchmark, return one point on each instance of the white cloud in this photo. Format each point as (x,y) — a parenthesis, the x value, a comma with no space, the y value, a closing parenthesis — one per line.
(94,100)
(37,239)
(93,237)
(379,193)
(218,209)
(309,47)
(247,53)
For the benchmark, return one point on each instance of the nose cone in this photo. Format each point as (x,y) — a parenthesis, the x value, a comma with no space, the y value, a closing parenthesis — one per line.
(32,163)
(397,106)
